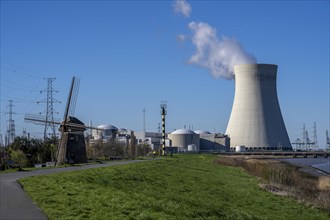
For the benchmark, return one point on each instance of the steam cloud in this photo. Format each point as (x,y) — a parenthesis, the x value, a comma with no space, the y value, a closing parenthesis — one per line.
(217,55)
(182,7)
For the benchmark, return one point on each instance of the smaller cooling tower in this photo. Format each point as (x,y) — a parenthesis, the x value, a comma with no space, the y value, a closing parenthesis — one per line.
(256,121)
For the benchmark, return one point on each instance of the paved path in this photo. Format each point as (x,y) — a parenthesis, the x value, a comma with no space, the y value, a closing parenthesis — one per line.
(15,204)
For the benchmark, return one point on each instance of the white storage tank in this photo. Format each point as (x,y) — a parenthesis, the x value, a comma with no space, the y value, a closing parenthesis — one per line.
(240,148)
(192,148)
(183,137)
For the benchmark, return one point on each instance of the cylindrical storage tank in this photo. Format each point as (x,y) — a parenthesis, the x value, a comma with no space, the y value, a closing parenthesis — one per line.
(192,148)
(240,148)
(184,137)
(256,119)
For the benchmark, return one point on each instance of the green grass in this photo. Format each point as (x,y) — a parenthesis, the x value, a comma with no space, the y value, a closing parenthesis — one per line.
(185,187)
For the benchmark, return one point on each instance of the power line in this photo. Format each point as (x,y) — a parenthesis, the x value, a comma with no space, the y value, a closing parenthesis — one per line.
(31,73)
(17,84)
(27,90)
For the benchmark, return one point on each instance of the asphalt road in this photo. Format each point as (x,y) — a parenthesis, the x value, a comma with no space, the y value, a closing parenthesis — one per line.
(15,204)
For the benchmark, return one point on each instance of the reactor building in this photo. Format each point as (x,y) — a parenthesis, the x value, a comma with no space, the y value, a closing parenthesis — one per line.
(256,120)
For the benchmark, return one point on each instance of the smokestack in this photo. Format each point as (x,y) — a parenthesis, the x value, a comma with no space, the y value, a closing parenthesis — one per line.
(256,119)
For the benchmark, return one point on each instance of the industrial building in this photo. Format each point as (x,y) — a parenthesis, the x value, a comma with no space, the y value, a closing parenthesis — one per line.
(103,134)
(256,120)
(213,142)
(153,139)
(185,140)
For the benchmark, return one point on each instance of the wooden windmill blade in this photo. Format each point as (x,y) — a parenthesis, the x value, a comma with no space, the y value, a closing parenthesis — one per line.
(65,146)
(72,99)
(40,119)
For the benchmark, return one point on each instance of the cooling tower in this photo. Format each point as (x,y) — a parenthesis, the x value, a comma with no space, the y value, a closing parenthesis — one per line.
(256,120)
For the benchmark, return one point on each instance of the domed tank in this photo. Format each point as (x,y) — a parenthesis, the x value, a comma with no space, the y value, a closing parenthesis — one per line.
(201,132)
(108,132)
(122,131)
(184,137)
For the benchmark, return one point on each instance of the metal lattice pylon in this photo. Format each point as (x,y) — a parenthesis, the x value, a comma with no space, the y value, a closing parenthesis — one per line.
(316,145)
(49,100)
(11,123)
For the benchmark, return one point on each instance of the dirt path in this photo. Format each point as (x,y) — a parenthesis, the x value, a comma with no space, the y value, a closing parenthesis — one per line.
(16,204)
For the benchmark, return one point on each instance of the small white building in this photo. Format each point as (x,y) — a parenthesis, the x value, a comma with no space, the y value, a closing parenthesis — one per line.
(153,139)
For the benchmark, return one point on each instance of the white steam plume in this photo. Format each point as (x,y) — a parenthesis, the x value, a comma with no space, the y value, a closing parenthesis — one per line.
(182,7)
(219,56)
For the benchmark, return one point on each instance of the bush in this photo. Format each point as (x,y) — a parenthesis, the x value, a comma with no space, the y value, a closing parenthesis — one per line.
(19,158)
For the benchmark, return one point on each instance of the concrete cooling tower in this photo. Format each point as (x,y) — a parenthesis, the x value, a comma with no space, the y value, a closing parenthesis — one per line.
(256,120)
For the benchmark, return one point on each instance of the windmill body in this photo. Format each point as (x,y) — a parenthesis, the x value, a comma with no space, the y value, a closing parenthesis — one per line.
(72,148)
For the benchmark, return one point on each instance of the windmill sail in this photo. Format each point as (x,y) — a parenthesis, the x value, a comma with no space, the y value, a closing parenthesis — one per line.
(72,99)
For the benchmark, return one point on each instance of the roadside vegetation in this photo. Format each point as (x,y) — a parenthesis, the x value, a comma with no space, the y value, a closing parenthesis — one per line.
(284,179)
(180,187)
(24,153)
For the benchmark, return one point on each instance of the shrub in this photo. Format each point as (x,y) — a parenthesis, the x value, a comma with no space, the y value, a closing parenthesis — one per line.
(19,158)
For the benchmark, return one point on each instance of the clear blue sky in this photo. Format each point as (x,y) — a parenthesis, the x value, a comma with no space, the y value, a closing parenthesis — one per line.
(128,57)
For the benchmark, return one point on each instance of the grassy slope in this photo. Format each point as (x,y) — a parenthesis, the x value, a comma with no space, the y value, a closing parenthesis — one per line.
(190,186)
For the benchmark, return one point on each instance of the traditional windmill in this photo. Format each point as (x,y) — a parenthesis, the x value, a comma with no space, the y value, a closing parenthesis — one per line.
(72,148)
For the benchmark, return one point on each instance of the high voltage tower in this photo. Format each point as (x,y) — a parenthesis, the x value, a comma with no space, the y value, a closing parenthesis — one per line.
(316,145)
(327,147)
(49,100)
(306,143)
(11,124)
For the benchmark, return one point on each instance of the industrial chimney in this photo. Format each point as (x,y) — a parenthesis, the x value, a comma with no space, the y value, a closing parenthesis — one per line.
(256,119)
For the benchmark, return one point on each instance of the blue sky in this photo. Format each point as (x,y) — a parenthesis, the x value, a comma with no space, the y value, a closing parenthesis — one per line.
(128,56)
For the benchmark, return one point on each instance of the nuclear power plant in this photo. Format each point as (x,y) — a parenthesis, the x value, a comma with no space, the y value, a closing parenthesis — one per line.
(255,123)
(256,120)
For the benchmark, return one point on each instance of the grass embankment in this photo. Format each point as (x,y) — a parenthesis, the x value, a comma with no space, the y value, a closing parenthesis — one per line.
(185,187)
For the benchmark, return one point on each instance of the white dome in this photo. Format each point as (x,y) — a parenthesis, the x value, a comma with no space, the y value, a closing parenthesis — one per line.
(202,132)
(183,131)
(108,127)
